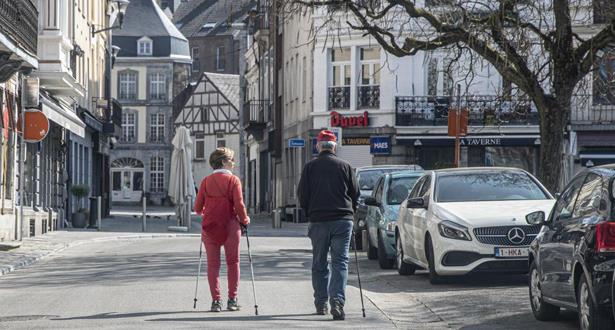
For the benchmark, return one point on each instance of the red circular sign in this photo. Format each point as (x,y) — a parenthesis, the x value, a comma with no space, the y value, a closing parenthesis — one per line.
(37,126)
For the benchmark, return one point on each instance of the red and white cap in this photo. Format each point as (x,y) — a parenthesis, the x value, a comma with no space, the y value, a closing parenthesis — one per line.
(326,135)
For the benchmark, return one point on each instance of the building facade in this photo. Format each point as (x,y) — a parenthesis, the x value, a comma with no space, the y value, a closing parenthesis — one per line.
(18,48)
(152,67)
(214,41)
(209,109)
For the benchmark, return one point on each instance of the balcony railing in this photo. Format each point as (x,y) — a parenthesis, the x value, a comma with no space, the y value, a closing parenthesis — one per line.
(257,112)
(339,97)
(19,20)
(591,110)
(484,110)
(369,97)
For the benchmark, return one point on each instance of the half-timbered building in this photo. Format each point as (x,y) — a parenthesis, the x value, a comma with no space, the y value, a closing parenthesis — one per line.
(209,108)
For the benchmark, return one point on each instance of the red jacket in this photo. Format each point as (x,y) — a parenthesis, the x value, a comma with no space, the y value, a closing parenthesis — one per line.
(220,200)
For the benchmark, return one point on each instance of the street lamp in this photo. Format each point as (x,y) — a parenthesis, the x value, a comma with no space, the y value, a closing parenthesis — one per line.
(122,6)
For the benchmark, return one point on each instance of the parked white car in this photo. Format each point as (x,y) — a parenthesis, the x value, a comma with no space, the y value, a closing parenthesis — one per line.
(464,220)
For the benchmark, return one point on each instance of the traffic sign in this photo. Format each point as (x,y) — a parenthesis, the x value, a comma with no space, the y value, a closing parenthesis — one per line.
(296,143)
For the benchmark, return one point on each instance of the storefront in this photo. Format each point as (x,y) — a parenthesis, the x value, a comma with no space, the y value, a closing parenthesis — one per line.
(434,152)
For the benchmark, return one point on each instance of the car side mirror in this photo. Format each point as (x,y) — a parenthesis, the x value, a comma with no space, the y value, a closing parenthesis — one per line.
(371,201)
(536,218)
(416,203)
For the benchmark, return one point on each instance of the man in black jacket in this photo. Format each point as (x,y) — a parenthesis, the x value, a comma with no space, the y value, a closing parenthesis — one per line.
(328,193)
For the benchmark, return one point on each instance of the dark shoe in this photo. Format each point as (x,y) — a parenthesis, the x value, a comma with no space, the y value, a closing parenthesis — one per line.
(337,310)
(216,306)
(322,309)
(232,305)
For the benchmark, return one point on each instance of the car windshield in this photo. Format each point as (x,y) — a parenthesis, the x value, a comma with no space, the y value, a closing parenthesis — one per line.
(399,189)
(487,186)
(367,179)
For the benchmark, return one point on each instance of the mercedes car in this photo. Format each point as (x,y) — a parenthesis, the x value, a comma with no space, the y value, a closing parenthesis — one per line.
(469,220)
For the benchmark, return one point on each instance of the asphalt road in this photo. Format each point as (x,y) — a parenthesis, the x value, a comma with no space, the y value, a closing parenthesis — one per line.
(149,283)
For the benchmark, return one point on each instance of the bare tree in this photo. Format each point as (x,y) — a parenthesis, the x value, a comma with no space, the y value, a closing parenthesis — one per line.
(545,49)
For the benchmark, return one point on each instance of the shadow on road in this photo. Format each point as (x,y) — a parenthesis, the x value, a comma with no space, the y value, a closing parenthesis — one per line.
(510,321)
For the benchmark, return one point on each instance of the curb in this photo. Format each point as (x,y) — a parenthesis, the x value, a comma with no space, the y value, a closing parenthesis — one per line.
(29,260)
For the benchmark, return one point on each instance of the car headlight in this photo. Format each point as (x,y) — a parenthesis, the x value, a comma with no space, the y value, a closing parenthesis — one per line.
(453,230)
(390,226)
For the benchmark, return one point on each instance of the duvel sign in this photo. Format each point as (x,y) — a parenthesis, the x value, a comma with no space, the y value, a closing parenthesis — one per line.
(339,120)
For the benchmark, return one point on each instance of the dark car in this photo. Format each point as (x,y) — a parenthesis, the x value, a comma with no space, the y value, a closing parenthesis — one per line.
(573,257)
(367,177)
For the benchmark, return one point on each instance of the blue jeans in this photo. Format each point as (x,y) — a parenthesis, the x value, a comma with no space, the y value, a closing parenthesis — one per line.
(333,236)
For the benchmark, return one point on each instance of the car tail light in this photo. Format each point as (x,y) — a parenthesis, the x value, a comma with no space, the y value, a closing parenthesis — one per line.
(605,237)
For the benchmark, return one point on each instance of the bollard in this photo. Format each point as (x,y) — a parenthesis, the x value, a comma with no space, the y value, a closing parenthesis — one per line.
(189,213)
(364,240)
(144,214)
(99,217)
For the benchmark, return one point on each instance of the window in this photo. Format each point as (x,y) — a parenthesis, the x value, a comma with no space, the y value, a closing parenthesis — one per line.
(590,201)
(565,204)
(221,144)
(604,78)
(157,174)
(128,126)
(378,191)
(417,188)
(340,62)
(220,59)
(117,181)
(370,66)
(128,85)
(196,64)
(156,127)
(399,188)
(145,46)
(157,86)
(426,188)
(199,145)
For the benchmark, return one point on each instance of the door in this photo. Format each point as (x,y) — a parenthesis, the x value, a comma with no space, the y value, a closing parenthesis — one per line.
(552,249)
(408,222)
(375,213)
(127,185)
(419,222)
(586,211)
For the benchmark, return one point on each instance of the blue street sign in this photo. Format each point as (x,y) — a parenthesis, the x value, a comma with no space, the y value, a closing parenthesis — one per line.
(380,145)
(296,143)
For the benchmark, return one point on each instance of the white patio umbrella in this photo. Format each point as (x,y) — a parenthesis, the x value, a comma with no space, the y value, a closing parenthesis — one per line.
(181,182)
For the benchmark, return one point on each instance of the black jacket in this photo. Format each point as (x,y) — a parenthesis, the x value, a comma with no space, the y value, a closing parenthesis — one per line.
(328,189)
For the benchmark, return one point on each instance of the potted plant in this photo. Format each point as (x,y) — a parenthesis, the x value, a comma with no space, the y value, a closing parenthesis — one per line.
(79,218)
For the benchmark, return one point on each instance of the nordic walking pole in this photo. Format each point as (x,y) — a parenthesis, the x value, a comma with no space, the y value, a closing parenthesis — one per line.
(198,273)
(356,260)
(251,270)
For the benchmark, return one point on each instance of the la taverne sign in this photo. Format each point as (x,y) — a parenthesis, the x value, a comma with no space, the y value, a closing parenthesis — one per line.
(339,120)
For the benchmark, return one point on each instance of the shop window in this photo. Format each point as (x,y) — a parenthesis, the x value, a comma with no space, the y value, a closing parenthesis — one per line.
(604,78)
(519,157)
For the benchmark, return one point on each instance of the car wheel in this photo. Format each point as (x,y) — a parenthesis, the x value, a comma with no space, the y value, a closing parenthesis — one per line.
(434,278)
(372,252)
(590,317)
(543,311)
(403,268)
(383,260)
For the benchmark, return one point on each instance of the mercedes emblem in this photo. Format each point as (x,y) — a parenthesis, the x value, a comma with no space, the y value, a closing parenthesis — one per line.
(516,235)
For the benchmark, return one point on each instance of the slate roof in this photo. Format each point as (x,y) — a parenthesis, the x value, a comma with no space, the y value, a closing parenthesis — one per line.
(145,18)
(192,15)
(228,84)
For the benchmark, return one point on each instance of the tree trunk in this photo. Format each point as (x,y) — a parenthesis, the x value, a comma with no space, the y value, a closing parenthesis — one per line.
(553,120)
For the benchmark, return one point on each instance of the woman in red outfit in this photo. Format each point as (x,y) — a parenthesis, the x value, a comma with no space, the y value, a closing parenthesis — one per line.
(220,202)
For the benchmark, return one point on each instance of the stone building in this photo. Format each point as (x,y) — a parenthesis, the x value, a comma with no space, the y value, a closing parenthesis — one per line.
(151,68)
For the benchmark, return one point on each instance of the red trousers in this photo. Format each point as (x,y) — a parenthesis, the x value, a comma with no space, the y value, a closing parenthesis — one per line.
(231,253)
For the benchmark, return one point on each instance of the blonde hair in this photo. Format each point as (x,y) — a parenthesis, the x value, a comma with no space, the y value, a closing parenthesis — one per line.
(219,156)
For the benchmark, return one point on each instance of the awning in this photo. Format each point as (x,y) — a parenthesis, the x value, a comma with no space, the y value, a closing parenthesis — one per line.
(63,116)
(590,159)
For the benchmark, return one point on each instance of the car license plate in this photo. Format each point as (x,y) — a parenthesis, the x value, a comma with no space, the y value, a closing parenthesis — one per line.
(504,252)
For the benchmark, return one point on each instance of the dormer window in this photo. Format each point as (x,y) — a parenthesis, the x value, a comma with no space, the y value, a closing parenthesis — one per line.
(145,46)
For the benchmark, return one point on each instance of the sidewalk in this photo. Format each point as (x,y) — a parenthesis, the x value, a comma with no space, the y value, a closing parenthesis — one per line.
(125,223)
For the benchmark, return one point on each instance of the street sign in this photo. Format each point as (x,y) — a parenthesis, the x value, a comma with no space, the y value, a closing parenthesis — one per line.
(296,143)
(380,145)
(338,134)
